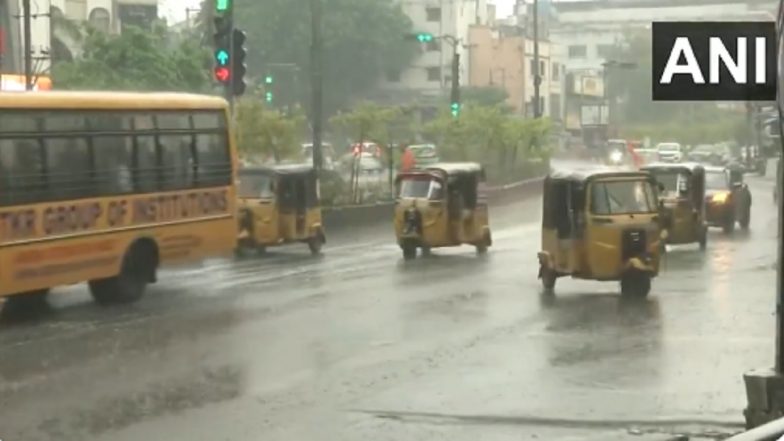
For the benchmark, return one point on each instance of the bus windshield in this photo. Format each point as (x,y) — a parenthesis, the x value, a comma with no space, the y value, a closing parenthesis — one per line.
(622,197)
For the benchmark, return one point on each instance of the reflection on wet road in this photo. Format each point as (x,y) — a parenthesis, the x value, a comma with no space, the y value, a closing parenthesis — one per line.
(360,345)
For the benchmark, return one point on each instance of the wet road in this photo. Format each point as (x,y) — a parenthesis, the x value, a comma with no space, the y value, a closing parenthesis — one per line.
(357,345)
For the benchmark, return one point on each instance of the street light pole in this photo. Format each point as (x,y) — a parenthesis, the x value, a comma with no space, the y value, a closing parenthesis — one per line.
(317,82)
(28,51)
(537,78)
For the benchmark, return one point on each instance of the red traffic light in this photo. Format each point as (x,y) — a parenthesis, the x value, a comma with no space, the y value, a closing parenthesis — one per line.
(222,74)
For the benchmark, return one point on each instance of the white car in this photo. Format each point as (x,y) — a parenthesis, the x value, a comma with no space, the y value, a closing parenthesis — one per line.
(669,152)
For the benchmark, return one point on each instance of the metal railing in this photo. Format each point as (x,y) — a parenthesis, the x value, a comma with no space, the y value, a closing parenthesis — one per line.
(771,431)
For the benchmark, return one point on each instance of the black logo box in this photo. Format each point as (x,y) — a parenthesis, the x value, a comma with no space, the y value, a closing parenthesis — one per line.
(683,88)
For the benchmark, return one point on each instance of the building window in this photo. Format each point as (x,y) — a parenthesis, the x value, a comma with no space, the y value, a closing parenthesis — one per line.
(393,76)
(605,50)
(433,74)
(542,69)
(433,46)
(577,51)
(99,19)
(433,14)
(556,70)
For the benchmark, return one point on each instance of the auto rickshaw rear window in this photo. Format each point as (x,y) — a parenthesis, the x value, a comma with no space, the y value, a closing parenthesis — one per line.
(622,197)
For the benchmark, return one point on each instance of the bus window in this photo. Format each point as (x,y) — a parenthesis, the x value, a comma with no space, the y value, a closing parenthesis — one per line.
(214,164)
(21,165)
(176,157)
(68,168)
(112,152)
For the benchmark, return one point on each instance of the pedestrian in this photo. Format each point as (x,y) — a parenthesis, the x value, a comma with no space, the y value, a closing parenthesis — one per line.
(407,161)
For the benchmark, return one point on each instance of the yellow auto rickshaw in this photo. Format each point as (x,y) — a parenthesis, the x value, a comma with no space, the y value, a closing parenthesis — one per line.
(279,205)
(682,202)
(600,224)
(442,205)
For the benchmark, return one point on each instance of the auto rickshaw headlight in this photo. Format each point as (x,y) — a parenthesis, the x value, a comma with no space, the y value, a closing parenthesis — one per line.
(616,156)
(720,198)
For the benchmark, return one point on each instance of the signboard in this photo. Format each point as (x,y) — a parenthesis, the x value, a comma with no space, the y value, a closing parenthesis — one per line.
(16,83)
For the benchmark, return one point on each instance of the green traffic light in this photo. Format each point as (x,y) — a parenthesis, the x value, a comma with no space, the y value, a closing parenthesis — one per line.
(455,109)
(222,57)
(222,5)
(268,79)
(424,37)
(269,97)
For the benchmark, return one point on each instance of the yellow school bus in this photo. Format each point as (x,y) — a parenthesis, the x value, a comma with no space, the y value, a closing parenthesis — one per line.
(105,187)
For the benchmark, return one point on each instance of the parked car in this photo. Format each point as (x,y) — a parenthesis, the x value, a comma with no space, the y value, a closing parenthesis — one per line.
(711,154)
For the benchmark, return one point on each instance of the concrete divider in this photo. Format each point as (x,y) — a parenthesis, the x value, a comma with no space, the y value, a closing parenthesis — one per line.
(358,216)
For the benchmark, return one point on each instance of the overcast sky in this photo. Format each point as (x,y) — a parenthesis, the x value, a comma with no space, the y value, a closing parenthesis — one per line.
(174,10)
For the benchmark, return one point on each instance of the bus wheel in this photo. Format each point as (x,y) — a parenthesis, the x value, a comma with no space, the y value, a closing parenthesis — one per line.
(27,302)
(138,269)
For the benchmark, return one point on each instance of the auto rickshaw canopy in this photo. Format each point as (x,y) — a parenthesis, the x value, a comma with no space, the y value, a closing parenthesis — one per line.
(279,178)
(583,175)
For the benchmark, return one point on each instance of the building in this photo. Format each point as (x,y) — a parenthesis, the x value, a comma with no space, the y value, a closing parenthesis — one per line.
(502,56)
(429,76)
(590,30)
(53,33)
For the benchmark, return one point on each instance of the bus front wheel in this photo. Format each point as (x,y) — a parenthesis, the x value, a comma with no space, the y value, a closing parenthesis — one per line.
(138,269)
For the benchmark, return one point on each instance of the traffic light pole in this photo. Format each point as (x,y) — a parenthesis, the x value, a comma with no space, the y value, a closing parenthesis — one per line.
(316,85)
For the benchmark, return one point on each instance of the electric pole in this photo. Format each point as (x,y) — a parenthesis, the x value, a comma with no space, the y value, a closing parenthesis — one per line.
(316,84)
(537,77)
(28,55)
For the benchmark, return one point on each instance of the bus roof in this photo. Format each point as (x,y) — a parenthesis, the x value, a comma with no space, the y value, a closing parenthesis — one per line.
(109,100)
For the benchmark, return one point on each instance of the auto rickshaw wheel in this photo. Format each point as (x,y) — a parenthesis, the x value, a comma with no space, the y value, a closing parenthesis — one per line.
(704,239)
(729,226)
(548,278)
(635,284)
(744,223)
(409,251)
(314,244)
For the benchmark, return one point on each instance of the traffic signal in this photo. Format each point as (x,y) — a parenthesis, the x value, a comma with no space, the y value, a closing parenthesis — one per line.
(238,62)
(455,107)
(268,87)
(222,6)
(222,41)
(424,37)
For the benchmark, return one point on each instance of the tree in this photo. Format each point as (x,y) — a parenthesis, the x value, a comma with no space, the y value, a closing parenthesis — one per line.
(484,96)
(137,60)
(362,40)
(266,133)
